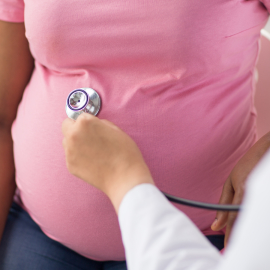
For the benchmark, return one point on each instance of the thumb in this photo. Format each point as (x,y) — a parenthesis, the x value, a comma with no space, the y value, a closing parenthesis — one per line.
(67,125)
(220,221)
(225,198)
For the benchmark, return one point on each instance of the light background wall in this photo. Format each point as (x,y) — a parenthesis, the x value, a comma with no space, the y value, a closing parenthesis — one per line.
(267,27)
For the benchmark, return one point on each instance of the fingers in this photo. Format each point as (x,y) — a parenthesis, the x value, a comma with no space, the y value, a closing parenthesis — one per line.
(84,117)
(227,197)
(231,219)
(232,215)
(66,125)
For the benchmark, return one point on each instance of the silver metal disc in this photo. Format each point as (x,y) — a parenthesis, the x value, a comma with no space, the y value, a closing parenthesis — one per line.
(82,100)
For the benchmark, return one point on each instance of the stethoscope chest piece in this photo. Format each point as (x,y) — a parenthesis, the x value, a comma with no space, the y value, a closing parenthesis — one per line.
(82,100)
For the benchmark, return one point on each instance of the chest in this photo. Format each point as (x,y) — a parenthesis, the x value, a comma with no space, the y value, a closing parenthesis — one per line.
(101,33)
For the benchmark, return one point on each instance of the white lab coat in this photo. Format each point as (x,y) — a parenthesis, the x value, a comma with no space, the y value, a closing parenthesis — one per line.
(157,236)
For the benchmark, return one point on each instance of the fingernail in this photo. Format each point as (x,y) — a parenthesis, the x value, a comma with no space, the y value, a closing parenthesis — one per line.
(214,223)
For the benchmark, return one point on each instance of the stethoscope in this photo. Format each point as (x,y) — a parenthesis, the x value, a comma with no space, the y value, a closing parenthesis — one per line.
(88,100)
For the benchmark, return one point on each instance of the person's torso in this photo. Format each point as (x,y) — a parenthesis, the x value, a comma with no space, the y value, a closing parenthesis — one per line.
(177,76)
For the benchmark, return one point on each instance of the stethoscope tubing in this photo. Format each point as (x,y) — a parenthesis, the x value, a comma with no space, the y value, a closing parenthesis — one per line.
(208,206)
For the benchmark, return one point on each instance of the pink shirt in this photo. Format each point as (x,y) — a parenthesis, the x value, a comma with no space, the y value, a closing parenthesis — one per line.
(177,76)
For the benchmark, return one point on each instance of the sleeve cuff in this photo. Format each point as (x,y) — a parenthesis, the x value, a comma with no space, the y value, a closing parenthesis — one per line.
(16,16)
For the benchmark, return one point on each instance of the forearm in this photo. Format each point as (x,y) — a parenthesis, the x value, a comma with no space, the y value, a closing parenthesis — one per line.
(265,143)
(252,157)
(134,177)
(16,67)
(7,176)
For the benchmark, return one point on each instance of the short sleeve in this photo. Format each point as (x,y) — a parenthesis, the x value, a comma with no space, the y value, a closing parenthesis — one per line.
(267,4)
(12,10)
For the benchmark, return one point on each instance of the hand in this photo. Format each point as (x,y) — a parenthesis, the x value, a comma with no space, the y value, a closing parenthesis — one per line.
(234,187)
(104,156)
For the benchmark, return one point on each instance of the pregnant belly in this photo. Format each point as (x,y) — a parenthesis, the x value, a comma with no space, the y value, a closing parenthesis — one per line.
(190,152)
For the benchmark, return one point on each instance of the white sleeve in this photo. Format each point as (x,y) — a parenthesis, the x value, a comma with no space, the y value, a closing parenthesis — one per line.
(157,236)
(249,243)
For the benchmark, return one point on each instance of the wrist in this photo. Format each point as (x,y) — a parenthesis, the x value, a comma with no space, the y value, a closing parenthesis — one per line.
(136,176)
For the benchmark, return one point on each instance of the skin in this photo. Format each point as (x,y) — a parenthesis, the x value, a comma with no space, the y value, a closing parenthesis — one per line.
(16,66)
(104,156)
(234,187)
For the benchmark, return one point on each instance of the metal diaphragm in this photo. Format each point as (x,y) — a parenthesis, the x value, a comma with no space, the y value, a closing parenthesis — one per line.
(82,100)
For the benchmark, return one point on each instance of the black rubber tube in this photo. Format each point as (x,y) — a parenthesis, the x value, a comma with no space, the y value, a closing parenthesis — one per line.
(209,206)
